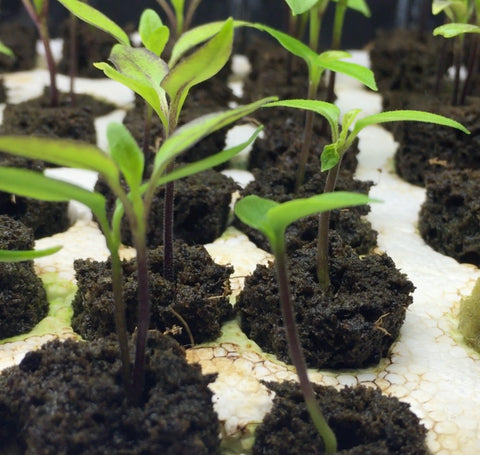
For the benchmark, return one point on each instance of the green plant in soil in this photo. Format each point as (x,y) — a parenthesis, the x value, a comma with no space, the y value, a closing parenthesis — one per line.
(26,255)
(464,18)
(38,12)
(342,139)
(179,13)
(272,219)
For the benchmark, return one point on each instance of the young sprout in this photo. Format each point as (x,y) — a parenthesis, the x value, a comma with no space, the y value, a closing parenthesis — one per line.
(38,12)
(125,162)
(272,219)
(342,139)
(460,13)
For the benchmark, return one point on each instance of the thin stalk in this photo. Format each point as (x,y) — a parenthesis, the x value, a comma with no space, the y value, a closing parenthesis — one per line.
(340,10)
(458,58)
(147,129)
(471,69)
(323,268)
(314,29)
(73,56)
(296,353)
(168,268)
(192,7)
(168,10)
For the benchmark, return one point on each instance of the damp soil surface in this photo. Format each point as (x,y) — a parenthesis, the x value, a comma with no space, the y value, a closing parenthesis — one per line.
(67,397)
(196,304)
(352,325)
(363,420)
(23,301)
(449,219)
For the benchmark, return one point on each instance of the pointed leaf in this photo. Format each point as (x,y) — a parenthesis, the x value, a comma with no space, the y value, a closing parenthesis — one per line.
(126,153)
(26,255)
(455,29)
(153,33)
(92,16)
(142,71)
(300,6)
(358,72)
(62,152)
(329,157)
(253,210)
(360,6)
(6,50)
(190,133)
(201,65)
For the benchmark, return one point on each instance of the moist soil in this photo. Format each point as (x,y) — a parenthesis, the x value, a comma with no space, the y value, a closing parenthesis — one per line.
(22,40)
(197,302)
(352,325)
(449,219)
(67,397)
(23,301)
(278,184)
(363,420)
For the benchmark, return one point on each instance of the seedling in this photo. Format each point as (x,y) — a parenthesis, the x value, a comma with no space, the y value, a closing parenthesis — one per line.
(26,255)
(272,219)
(38,12)
(342,139)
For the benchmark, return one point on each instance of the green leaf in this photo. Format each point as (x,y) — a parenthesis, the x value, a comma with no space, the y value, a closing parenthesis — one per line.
(27,183)
(201,65)
(6,50)
(94,17)
(455,29)
(62,152)
(26,255)
(402,116)
(209,162)
(153,33)
(360,6)
(347,121)
(329,157)
(253,210)
(126,153)
(439,5)
(38,4)
(300,6)
(190,133)
(327,110)
(142,71)
(358,72)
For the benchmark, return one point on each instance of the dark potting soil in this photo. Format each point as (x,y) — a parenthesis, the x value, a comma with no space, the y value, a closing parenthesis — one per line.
(424,147)
(201,208)
(364,421)
(22,40)
(351,326)
(278,184)
(199,296)
(92,46)
(23,301)
(3,91)
(449,220)
(67,397)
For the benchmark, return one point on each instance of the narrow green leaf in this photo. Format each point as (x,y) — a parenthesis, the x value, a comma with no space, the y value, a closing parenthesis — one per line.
(142,71)
(329,157)
(199,66)
(358,72)
(347,121)
(439,5)
(209,162)
(92,16)
(300,6)
(360,6)
(406,115)
(6,50)
(190,133)
(153,33)
(126,153)
(455,29)
(253,210)
(26,255)
(62,152)
(327,110)
(27,183)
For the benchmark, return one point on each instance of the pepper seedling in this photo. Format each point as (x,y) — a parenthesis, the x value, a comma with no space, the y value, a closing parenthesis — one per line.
(342,139)
(272,219)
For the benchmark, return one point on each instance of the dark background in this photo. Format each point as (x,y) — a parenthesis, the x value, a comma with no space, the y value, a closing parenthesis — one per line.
(358,30)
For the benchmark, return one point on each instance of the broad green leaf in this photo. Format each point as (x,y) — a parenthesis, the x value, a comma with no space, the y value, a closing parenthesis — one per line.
(439,5)
(201,65)
(452,30)
(327,110)
(402,116)
(92,16)
(5,50)
(190,133)
(209,162)
(329,157)
(63,152)
(358,72)
(26,255)
(153,33)
(126,153)
(142,71)
(252,210)
(300,6)
(360,6)
(27,183)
